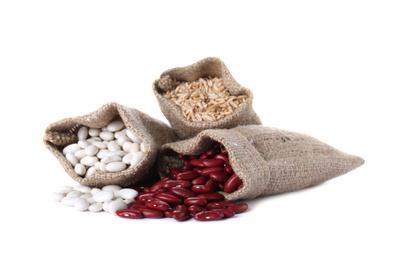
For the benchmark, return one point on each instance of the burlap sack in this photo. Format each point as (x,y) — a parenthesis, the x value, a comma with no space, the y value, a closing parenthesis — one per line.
(153,132)
(212,67)
(268,160)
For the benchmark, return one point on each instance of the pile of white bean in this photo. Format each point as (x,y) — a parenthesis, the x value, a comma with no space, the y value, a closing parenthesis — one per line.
(109,149)
(110,198)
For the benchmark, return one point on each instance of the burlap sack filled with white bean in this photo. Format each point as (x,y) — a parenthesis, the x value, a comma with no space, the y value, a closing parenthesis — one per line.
(267,160)
(92,160)
(202,96)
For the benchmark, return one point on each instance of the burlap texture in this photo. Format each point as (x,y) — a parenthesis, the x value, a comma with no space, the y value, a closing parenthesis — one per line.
(268,160)
(152,131)
(213,67)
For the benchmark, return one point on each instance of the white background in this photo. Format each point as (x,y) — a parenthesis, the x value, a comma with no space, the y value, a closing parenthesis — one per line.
(326,68)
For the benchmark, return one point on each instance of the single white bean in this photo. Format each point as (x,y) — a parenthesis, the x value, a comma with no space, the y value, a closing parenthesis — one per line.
(81,204)
(127,146)
(127,193)
(72,159)
(106,136)
(122,140)
(133,136)
(58,196)
(103,195)
(103,167)
(100,145)
(137,158)
(134,148)
(96,207)
(102,153)
(80,169)
(69,201)
(113,146)
(90,171)
(74,193)
(82,133)
(127,158)
(109,159)
(80,154)
(117,153)
(89,160)
(93,132)
(116,166)
(115,126)
(83,143)
(116,205)
(95,190)
(82,188)
(120,133)
(111,187)
(91,150)
(143,147)
(72,148)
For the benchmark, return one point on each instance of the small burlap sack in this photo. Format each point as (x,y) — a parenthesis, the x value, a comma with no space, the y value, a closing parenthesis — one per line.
(151,131)
(208,67)
(268,160)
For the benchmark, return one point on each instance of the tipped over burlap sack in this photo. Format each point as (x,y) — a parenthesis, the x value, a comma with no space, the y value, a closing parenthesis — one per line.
(268,160)
(208,67)
(151,131)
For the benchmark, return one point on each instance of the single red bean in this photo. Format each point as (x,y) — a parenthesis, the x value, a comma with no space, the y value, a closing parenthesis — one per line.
(239,208)
(158,184)
(222,157)
(186,162)
(210,183)
(168,213)
(226,203)
(157,205)
(211,197)
(196,209)
(200,180)
(240,185)
(232,183)
(172,199)
(228,169)
(180,215)
(215,205)
(208,215)
(203,156)
(219,176)
(183,157)
(152,213)
(138,207)
(146,189)
(181,207)
(128,213)
(182,192)
(187,176)
(224,151)
(175,183)
(198,169)
(175,171)
(138,202)
(213,162)
(197,163)
(208,171)
(186,168)
(160,190)
(143,196)
(195,201)
(211,153)
(202,189)
(228,213)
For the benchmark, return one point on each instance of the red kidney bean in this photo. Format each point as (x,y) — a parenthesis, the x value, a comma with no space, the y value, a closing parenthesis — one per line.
(197,163)
(211,184)
(232,183)
(222,157)
(145,195)
(195,201)
(224,151)
(219,176)
(138,207)
(180,215)
(197,169)
(152,213)
(174,183)
(208,171)
(208,215)
(173,172)
(221,185)
(146,189)
(168,213)
(139,188)
(138,202)
(226,203)
(196,209)
(129,213)
(181,207)
(186,168)
(172,199)
(200,180)
(211,197)
(187,176)
(228,213)
(158,184)
(213,162)
(202,189)
(183,157)
(182,192)
(239,208)
(157,205)
(228,169)
(215,205)
(186,162)
(203,156)
(211,153)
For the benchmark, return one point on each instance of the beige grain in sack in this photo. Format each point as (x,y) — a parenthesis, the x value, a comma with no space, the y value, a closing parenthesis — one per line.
(151,131)
(208,67)
(268,160)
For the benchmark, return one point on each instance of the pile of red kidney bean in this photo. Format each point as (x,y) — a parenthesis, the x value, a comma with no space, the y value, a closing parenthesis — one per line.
(191,191)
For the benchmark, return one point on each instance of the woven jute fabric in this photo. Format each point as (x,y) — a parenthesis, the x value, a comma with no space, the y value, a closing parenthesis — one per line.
(268,160)
(151,131)
(208,67)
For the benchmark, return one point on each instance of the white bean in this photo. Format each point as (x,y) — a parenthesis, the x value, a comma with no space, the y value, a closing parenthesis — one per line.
(81,204)
(89,160)
(137,158)
(127,193)
(96,207)
(113,146)
(106,136)
(116,205)
(72,148)
(72,159)
(103,195)
(134,148)
(80,169)
(133,136)
(90,172)
(93,132)
(91,150)
(109,159)
(82,133)
(116,166)
(115,126)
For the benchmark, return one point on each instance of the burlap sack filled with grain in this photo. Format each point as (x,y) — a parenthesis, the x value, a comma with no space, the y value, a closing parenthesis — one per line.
(153,133)
(202,96)
(268,160)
